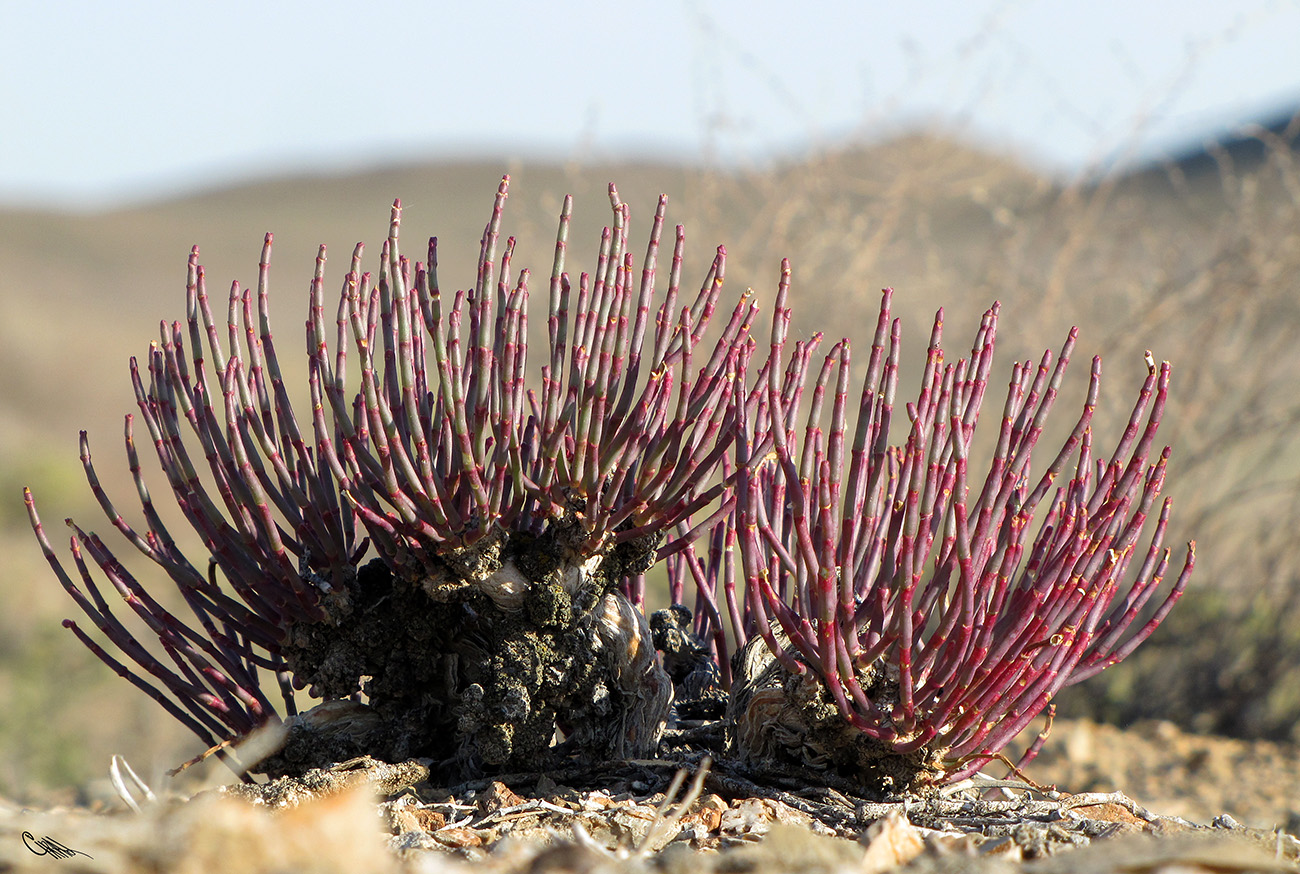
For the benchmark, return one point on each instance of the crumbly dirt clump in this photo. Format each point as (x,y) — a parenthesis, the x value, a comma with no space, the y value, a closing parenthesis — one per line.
(479,662)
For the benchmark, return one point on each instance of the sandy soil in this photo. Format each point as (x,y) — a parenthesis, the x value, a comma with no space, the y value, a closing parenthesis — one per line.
(631,824)
(1175,773)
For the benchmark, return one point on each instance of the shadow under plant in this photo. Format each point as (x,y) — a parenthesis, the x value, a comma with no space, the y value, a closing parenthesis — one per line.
(452,554)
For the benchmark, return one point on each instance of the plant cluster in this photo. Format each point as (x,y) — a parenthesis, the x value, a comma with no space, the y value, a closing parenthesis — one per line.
(934,616)
(886,624)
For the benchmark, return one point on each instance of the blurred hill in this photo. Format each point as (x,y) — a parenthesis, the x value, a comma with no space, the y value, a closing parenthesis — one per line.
(1200,266)
(1241,152)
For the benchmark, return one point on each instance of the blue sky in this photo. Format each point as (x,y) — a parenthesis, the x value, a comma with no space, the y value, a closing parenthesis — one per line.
(112,102)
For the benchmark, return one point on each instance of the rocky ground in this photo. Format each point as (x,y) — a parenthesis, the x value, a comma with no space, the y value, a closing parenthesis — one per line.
(1191,776)
(1148,799)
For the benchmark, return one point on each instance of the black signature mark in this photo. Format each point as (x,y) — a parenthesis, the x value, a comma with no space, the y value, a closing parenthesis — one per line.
(48,846)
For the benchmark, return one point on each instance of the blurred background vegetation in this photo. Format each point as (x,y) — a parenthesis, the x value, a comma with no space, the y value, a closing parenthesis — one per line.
(1196,259)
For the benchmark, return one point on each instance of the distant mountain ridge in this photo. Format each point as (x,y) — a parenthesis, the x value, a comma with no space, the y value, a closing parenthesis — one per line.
(1239,152)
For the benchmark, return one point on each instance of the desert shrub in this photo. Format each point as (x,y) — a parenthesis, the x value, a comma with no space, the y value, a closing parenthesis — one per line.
(453,560)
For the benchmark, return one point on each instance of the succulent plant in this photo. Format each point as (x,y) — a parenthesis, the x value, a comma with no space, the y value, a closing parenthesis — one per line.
(451,555)
(506,523)
(906,622)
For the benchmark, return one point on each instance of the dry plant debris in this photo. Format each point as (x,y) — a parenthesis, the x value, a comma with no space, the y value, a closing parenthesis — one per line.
(637,815)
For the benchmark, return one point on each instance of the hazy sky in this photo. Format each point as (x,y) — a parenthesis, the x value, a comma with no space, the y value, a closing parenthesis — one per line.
(128,100)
